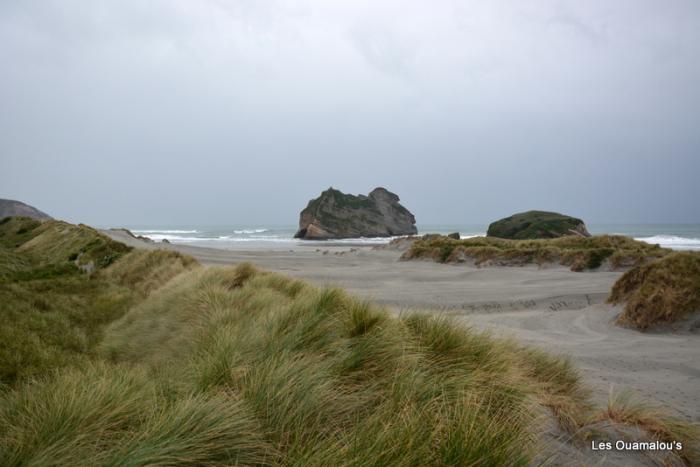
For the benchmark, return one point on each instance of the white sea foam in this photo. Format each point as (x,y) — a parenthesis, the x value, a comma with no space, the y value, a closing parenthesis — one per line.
(263,236)
(673,241)
(223,238)
(180,238)
(249,231)
(165,231)
(367,240)
(265,239)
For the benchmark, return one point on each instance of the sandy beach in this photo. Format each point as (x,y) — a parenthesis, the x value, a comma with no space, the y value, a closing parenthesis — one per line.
(350,233)
(554,308)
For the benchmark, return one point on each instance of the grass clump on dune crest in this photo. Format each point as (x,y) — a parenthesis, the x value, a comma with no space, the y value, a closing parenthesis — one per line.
(579,253)
(661,292)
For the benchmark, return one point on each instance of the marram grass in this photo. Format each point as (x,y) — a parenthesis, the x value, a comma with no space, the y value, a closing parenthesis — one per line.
(661,292)
(579,253)
(52,312)
(236,366)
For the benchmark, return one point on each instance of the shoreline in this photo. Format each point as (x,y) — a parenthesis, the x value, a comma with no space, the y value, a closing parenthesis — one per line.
(673,236)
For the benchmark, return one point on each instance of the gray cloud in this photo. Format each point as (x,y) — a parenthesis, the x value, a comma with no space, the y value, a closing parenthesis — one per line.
(240,111)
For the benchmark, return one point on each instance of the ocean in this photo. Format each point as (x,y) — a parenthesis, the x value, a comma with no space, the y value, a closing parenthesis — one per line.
(676,236)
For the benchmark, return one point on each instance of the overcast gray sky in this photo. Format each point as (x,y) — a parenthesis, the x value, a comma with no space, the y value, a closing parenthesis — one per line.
(238,112)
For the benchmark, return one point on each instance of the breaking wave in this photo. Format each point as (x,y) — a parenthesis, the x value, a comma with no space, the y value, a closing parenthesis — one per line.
(673,241)
(165,231)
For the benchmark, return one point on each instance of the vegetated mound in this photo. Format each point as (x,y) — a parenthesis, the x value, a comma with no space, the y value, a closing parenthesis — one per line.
(60,285)
(537,224)
(661,292)
(12,208)
(238,366)
(580,253)
(338,215)
(53,242)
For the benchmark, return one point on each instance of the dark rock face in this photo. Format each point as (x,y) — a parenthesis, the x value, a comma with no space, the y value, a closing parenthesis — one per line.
(454,236)
(336,215)
(10,208)
(537,224)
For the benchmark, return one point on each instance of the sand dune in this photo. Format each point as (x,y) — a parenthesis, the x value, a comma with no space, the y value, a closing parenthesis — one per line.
(557,309)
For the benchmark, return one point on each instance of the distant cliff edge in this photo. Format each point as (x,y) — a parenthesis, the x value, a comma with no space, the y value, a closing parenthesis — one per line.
(10,208)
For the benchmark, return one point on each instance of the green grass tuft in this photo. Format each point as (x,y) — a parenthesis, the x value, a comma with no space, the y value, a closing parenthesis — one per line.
(145,271)
(663,291)
(626,408)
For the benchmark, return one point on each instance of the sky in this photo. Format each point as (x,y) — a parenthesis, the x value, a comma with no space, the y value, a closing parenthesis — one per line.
(238,112)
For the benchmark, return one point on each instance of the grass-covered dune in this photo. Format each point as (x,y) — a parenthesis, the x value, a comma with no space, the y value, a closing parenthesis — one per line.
(60,285)
(236,366)
(580,253)
(318,377)
(661,292)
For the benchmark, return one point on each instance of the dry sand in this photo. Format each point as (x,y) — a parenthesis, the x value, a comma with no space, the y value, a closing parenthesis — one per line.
(556,309)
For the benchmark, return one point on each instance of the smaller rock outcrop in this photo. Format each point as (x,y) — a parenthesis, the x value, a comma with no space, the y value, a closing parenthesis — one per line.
(335,215)
(454,236)
(11,208)
(537,224)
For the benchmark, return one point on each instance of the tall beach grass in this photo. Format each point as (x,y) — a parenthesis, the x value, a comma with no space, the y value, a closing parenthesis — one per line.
(578,253)
(237,366)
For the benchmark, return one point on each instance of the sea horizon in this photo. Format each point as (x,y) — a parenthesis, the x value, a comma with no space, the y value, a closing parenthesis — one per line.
(234,236)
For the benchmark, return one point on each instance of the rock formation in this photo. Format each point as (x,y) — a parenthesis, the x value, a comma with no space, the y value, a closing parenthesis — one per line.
(537,224)
(11,208)
(336,215)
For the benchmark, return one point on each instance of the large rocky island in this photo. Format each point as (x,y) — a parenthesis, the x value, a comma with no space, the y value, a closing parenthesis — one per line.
(10,207)
(537,224)
(335,215)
